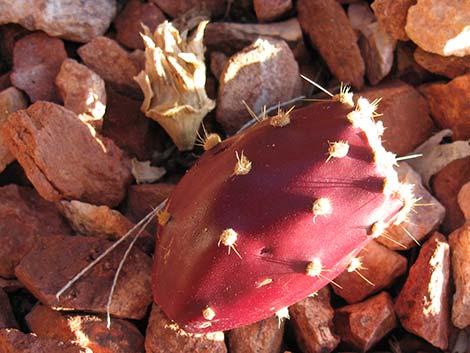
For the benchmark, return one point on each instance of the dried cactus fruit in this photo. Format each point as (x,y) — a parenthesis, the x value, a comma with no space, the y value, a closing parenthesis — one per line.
(295,218)
(174,80)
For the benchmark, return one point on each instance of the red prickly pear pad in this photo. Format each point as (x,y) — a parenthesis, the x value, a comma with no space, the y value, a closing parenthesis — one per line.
(271,215)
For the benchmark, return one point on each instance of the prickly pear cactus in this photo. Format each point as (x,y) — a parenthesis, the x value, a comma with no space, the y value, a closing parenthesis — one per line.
(273,214)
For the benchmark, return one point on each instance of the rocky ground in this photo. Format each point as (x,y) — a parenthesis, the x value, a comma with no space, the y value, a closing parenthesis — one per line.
(81,164)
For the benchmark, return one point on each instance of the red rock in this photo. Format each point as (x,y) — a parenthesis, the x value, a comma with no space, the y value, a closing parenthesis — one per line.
(405,116)
(422,304)
(25,218)
(7,318)
(391,15)
(312,320)
(450,66)
(10,285)
(377,48)
(82,92)
(328,27)
(446,185)
(459,241)
(450,106)
(114,64)
(128,127)
(440,27)
(164,336)
(48,267)
(89,167)
(142,199)
(253,75)
(427,215)
(380,266)
(14,341)
(11,100)
(129,19)
(463,199)
(364,324)
(36,62)
(175,8)
(122,337)
(264,336)
(73,20)
(270,10)
(229,38)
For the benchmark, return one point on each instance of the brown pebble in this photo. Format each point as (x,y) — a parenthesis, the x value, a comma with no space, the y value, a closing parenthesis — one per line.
(463,199)
(391,15)
(175,8)
(450,66)
(270,10)
(7,318)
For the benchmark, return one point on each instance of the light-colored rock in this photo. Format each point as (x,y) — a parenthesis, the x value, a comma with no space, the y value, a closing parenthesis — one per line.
(74,20)
(328,27)
(25,218)
(270,10)
(449,105)
(112,63)
(312,319)
(440,27)
(55,260)
(364,324)
(360,15)
(164,336)
(11,100)
(405,116)
(36,62)
(87,331)
(459,241)
(450,66)
(379,266)
(87,167)
(253,75)
(391,14)
(82,92)
(264,336)
(423,303)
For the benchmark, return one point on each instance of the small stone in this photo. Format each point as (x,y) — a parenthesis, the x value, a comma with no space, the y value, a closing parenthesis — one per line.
(463,199)
(379,265)
(459,241)
(406,68)
(165,336)
(446,185)
(253,75)
(218,61)
(329,29)
(25,218)
(175,8)
(122,337)
(82,92)
(128,127)
(391,15)
(142,199)
(377,48)
(128,22)
(55,260)
(264,336)
(449,105)
(425,217)
(360,15)
(36,62)
(113,64)
(422,304)
(11,100)
(449,66)
(440,27)
(312,320)
(364,324)
(14,341)
(229,38)
(270,10)
(405,116)
(7,318)
(102,222)
(74,20)
(88,167)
